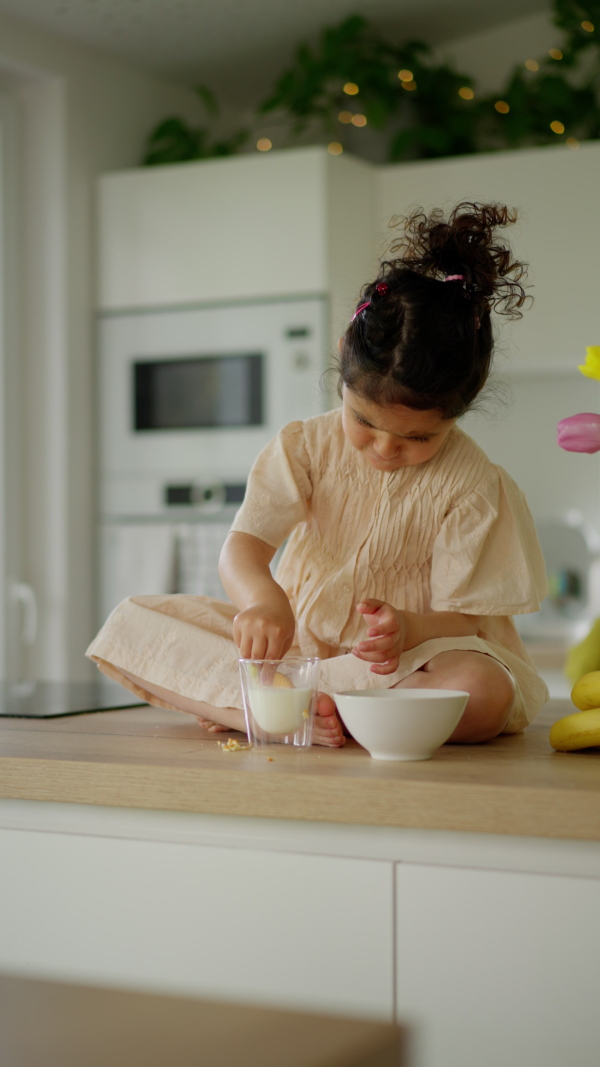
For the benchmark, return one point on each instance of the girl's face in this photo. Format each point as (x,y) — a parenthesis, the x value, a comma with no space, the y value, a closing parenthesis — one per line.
(392,436)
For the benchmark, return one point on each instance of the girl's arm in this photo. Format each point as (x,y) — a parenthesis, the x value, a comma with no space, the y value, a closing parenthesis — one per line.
(390,632)
(264,627)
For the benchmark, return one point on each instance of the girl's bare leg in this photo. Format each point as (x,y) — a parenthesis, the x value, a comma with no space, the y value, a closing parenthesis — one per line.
(489,683)
(327,729)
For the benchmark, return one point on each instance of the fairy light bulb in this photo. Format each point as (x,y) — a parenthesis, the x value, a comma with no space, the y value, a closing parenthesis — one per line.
(555,53)
(502,107)
(466,92)
(359,120)
(572,142)
(409,86)
(557,127)
(351,88)
(345,116)
(588,26)
(264,144)
(405,75)
(532,64)
(335,148)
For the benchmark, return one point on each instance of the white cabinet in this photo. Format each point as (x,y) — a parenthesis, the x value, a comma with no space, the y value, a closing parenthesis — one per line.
(488,967)
(301,221)
(303,931)
(498,968)
(556,192)
(223,229)
(298,222)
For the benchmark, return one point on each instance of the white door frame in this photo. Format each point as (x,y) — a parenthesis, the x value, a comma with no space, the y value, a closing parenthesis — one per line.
(39,274)
(9,458)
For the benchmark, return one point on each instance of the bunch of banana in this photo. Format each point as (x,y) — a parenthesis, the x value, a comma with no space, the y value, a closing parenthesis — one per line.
(584,657)
(582,729)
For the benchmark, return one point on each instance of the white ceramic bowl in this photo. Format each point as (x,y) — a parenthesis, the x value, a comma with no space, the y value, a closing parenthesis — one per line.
(401,724)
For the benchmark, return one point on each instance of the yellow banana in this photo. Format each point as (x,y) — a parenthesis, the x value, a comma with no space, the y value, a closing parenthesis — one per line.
(585,656)
(580,730)
(586,692)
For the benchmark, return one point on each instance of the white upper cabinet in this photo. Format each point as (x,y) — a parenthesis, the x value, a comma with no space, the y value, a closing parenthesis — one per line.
(295,222)
(301,222)
(556,193)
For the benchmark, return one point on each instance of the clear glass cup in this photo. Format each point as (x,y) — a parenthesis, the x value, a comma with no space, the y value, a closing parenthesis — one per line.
(280,699)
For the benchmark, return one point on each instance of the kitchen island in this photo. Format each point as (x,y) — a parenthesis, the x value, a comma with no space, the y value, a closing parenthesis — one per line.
(460,894)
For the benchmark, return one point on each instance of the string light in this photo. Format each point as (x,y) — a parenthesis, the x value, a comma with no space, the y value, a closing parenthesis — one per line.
(588,26)
(359,120)
(532,64)
(557,127)
(405,75)
(351,88)
(345,116)
(264,144)
(409,86)
(502,107)
(572,142)
(555,53)
(466,92)
(335,148)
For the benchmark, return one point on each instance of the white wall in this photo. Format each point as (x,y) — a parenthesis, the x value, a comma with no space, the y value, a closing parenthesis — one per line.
(489,55)
(81,113)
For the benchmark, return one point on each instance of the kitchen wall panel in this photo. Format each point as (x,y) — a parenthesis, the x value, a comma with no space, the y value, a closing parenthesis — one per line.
(306,932)
(498,968)
(555,190)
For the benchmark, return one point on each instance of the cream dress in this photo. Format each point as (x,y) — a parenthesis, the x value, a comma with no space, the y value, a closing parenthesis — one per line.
(451,534)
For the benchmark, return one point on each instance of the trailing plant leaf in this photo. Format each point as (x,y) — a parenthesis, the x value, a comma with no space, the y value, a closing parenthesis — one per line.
(536,103)
(208,99)
(431,113)
(569,16)
(175,141)
(172,141)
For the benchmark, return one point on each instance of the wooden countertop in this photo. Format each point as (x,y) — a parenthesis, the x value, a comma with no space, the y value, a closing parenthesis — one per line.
(149,758)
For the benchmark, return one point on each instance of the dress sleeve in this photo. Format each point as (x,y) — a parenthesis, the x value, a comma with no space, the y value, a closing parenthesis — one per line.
(279,488)
(486,557)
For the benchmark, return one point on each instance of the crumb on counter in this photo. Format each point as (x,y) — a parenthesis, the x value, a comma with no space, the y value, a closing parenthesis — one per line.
(232,745)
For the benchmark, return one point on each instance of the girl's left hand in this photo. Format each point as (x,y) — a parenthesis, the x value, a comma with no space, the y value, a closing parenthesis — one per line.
(386,636)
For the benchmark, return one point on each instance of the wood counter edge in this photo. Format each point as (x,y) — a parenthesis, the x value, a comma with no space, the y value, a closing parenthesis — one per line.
(465,807)
(133,1027)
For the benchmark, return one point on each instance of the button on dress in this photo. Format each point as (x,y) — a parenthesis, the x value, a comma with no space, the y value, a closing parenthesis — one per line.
(451,534)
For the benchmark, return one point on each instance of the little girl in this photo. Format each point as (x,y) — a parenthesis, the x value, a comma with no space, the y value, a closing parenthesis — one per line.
(407,549)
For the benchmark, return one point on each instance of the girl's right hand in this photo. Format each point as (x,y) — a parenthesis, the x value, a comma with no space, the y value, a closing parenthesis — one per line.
(265,631)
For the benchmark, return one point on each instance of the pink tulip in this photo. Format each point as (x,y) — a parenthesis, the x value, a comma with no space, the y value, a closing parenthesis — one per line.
(580,433)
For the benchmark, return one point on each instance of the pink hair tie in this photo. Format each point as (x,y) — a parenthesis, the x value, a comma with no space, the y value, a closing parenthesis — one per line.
(361,308)
(382,288)
(454,278)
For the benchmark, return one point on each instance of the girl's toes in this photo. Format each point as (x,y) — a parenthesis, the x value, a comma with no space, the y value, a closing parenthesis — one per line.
(327,738)
(212,727)
(325,705)
(327,728)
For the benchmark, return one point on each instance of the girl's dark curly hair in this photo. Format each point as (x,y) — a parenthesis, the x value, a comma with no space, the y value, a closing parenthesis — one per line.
(423,341)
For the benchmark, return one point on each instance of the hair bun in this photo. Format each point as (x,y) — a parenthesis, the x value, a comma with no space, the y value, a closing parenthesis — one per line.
(465,243)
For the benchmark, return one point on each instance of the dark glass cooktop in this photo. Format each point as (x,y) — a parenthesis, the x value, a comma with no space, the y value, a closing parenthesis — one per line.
(48,700)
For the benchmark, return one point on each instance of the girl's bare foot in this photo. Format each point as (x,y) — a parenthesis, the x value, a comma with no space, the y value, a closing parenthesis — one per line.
(327,728)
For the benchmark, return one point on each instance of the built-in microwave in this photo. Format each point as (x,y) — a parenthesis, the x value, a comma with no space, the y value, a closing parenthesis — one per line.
(188,397)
